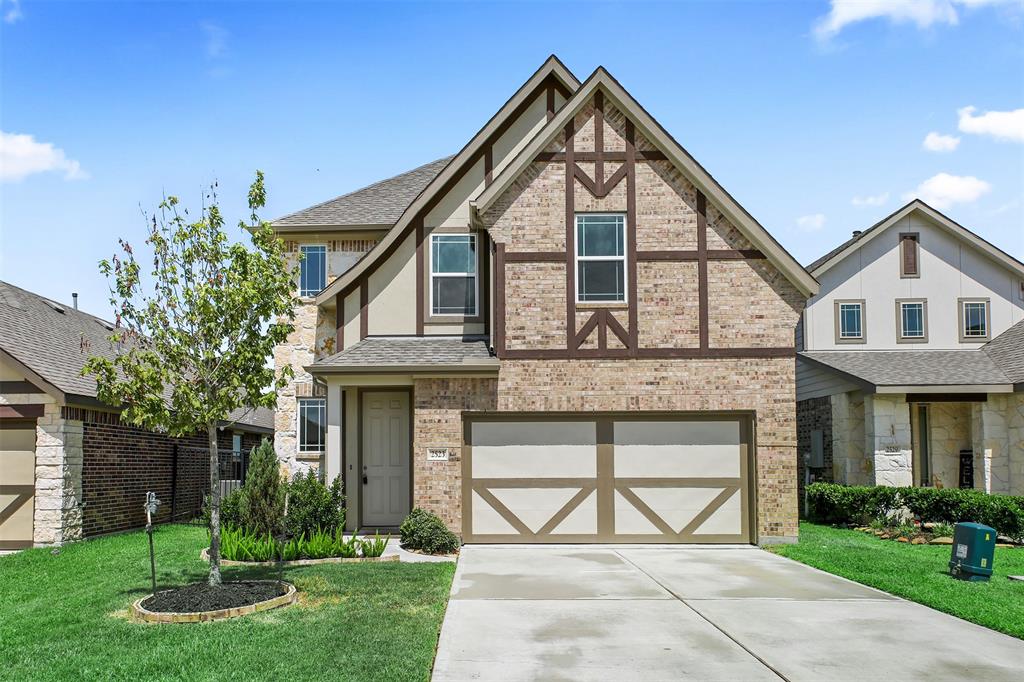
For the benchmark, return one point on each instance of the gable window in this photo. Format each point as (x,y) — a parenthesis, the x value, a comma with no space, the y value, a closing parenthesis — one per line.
(912,320)
(909,256)
(312,424)
(850,326)
(600,257)
(974,319)
(312,269)
(453,276)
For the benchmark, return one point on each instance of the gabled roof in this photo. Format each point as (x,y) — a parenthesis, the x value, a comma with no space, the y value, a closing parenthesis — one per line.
(379,204)
(682,159)
(820,266)
(50,342)
(1007,351)
(923,368)
(552,68)
(410,354)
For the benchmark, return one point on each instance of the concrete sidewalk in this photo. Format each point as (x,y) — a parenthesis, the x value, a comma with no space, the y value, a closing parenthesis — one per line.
(670,613)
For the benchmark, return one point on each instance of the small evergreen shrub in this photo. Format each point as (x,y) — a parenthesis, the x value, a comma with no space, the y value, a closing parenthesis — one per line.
(424,531)
(261,505)
(838,504)
(313,506)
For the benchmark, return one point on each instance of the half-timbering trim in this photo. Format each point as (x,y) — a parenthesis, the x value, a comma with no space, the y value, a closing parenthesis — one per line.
(645,155)
(570,238)
(488,164)
(364,309)
(630,166)
(702,268)
(420,277)
(499,299)
(19,387)
(339,323)
(30,411)
(647,353)
(694,254)
(535,256)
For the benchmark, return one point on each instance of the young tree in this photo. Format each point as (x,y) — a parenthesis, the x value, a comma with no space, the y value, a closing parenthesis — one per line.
(194,336)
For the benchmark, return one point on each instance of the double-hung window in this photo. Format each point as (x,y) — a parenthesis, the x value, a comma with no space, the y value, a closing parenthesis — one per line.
(312,424)
(912,320)
(453,275)
(974,319)
(600,258)
(850,327)
(312,269)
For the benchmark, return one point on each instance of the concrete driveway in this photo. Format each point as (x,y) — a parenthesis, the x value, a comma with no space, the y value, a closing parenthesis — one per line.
(658,613)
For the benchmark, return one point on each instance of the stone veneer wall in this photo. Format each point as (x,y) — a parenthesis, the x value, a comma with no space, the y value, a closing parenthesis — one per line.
(813,414)
(850,464)
(950,432)
(58,501)
(1015,440)
(990,431)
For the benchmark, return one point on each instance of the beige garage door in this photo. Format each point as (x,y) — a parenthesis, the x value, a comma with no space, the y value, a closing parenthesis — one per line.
(17,485)
(607,478)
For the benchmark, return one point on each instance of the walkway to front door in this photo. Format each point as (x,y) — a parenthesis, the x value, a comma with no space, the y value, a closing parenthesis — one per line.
(670,613)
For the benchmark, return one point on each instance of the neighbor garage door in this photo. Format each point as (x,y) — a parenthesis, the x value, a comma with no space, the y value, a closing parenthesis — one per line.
(607,478)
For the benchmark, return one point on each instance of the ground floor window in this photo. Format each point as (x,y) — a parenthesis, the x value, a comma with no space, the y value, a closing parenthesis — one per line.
(312,426)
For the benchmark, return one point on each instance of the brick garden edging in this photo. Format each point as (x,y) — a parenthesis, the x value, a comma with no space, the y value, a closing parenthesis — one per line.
(205,556)
(286,599)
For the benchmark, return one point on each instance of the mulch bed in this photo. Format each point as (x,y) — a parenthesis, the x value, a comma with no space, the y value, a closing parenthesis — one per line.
(202,597)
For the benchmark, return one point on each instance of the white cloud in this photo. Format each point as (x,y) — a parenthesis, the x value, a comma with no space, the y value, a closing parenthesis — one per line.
(12,11)
(811,223)
(1002,125)
(21,156)
(922,13)
(871,200)
(934,142)
(216,39)
(944,190)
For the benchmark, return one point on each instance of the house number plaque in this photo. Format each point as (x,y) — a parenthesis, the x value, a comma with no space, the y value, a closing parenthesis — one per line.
(438,454)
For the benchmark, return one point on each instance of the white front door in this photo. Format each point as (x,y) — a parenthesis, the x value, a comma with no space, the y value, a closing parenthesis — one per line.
(386,455)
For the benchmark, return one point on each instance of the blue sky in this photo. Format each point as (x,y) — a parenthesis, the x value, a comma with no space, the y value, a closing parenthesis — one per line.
(815,116)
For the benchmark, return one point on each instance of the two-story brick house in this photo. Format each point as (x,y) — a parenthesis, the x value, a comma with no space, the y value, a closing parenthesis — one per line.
(911,363)
(567,332)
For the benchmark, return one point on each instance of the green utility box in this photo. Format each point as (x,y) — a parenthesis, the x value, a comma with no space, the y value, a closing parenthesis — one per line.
(974,547)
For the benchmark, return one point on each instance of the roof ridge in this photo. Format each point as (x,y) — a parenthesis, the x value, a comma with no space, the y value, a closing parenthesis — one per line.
(445,159)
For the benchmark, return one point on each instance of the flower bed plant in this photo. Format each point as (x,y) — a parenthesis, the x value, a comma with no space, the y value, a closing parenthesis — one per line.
(860,505)
(425,532)
(238,544)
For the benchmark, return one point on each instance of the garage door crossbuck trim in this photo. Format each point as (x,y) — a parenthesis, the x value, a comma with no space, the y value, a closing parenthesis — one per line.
(608,477)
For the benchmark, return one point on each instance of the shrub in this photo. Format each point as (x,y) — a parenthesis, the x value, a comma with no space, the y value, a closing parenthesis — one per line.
(230,509)
(313,506)
(261,505)
(374,547)
(839,504)
(424,531)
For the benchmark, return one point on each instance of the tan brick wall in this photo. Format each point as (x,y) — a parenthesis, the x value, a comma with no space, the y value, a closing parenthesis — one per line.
(536,315)
(667,310)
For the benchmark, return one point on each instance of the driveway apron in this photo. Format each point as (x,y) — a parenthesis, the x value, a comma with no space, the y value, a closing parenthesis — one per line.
(671,613)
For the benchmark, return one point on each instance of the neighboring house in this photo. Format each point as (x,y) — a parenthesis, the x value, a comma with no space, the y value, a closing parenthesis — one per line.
(911,367)
(69,468)
(567,332)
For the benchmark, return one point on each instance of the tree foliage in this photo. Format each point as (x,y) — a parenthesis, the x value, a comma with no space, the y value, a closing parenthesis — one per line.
(196,322)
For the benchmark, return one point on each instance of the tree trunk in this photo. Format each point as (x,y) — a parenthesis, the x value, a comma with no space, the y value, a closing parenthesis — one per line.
(214,578)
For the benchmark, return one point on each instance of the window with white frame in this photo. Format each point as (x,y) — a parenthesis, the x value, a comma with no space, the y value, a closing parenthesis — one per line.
(973,319)
(912,322)
(312,424)
(850,320)
(312,269)
(600,257)
(453,274)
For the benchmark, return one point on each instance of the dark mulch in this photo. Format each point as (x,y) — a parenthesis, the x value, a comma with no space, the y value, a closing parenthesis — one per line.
(202,597)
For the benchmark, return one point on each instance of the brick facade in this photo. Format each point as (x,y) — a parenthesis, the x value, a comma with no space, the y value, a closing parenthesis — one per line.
(811,415)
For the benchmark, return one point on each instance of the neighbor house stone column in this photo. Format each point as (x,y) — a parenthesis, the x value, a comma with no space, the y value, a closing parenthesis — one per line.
(887,439)
(991,444)
(1015,441)
(59,455)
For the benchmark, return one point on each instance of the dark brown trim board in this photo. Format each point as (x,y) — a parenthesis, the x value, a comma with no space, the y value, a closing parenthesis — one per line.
(339,323)
(420,278)
(535,256)
(630,165)
(947,397)
(22,411)
(19,387)
(647,353)
(499,299)
(702,268)
(641,155)
(570,237)
(694,255)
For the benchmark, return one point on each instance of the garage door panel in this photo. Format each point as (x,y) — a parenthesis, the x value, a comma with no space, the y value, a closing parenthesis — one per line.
(646,480)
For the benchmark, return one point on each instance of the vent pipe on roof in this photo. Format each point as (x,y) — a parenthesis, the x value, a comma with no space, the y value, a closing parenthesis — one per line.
(856,233)
(74,299)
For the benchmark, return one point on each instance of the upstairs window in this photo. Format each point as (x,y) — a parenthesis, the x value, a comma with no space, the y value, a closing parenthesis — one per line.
(850,321)
(909,256)
(453,276)
(312,269)
(913,324)
(312,424)
(601,257)
(974,319)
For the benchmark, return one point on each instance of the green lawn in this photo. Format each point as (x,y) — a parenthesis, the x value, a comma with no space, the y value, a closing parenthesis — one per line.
(918,573)
(64,617)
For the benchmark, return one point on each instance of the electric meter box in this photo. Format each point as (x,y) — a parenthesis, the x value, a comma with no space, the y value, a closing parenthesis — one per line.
(974,547)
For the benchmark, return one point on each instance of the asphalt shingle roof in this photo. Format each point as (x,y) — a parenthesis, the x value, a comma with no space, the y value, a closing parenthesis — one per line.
(381,203)
(397,352)
(1007,351)
(54,340)
(915,368)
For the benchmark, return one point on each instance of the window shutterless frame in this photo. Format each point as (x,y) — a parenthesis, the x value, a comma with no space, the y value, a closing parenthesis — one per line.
(311,424)
(621,246)
(312,282)
(850,321)
(911,320)
(454,237)
(974,318)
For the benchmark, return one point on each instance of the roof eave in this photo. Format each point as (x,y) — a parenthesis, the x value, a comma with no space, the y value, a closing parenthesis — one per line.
(420,368)
(50,388)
